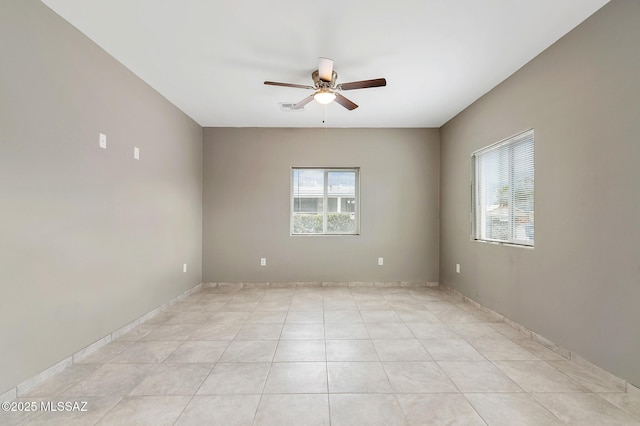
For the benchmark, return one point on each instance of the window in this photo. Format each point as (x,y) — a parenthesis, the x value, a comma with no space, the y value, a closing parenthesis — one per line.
(503,191)
(324,201)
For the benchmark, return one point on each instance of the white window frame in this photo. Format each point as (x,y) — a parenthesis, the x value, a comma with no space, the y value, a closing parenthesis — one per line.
(325,204)
(477,229)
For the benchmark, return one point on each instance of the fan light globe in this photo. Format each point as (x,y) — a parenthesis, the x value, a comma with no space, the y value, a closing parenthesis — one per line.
(324,97)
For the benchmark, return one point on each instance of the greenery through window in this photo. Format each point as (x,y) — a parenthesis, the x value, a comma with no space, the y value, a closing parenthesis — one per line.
(503,191)
(324,201)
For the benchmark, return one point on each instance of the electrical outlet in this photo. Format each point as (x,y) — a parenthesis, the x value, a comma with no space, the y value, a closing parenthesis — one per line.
(103,141)
(263,261)
(458,268)
(136,153)
(380,261)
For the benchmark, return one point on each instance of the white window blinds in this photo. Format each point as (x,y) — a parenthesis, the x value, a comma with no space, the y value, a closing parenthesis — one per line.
(503,191)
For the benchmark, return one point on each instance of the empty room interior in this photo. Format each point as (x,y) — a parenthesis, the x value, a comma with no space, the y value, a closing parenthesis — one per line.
(439,226)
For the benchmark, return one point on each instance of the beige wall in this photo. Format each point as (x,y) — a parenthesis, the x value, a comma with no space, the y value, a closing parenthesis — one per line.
(580,286)
(246,205)
(90,239)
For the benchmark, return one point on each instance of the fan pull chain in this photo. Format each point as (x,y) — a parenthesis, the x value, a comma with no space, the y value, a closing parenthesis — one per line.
(324,116)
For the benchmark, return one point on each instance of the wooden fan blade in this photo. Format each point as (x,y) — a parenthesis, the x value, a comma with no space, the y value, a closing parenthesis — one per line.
(297,86)
(303,102)
(345,102)
(325,69)
(377,82)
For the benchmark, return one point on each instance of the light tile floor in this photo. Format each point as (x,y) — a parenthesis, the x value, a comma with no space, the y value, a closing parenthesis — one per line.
(327,356)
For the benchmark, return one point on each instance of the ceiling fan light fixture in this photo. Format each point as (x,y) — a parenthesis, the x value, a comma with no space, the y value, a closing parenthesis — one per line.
(324,97)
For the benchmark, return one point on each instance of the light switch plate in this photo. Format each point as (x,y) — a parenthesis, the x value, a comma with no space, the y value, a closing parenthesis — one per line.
(103,141)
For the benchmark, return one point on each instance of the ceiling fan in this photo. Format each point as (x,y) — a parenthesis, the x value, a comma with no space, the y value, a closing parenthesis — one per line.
(325,86)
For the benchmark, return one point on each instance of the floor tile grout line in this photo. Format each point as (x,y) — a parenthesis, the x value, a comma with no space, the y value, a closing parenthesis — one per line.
(201,384)
(571,379)
(326,360)
(531,394)
(474,408)
(188,403)
(266,379)
(109,410)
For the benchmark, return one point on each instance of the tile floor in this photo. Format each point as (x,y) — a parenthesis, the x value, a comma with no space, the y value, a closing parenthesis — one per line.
(328,356)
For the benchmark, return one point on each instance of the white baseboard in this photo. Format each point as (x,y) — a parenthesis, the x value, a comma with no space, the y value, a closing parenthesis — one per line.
(304,284)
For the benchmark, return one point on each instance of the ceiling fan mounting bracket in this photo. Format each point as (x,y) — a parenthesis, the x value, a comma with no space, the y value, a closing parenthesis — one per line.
(321,84)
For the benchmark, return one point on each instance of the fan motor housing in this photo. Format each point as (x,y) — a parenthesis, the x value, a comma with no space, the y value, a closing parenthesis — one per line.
(321,84)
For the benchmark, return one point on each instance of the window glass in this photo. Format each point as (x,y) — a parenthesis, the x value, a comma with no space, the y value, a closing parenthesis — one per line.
(324,201)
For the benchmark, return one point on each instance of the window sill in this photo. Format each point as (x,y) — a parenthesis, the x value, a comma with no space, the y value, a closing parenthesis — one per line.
(500,243)
(324,235)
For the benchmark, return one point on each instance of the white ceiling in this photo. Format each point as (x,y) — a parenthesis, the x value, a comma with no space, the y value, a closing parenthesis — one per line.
(211,57)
